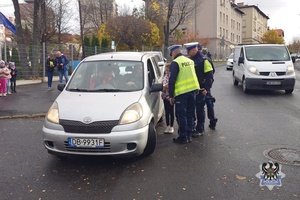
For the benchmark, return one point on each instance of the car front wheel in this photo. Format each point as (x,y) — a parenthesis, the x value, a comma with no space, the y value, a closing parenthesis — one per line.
(245,89)
(151,142)
(235,82)
(289,91)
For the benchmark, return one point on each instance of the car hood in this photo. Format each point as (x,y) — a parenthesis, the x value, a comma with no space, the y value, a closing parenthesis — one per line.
(97,106)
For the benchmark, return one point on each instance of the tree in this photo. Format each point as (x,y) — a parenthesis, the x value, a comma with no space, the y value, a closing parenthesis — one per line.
(129,30)
(295,46)
(175,13)
(62,17)
(20,37)
(272,37)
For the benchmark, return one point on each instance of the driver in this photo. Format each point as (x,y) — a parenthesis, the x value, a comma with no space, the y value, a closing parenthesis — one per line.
(103,77)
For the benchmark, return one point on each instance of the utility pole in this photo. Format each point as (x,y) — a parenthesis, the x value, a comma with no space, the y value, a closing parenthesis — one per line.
(81,30)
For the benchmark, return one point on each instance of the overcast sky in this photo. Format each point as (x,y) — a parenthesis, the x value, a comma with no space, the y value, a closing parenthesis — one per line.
(283,14)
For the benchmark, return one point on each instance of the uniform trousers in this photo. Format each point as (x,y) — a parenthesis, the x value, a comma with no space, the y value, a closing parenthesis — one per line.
(199,119)
(184,111)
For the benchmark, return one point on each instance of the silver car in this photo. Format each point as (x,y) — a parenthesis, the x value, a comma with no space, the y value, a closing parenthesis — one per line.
(110,106)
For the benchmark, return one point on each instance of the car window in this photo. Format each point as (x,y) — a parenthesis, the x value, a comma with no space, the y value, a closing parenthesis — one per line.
(156,67)
(267,53)
(103,76)
(230,56)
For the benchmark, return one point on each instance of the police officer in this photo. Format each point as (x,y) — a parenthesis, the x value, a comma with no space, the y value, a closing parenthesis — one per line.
(204,70)
(183,86)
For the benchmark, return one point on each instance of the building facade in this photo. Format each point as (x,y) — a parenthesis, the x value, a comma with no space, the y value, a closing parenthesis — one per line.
(222,24)
(254,25)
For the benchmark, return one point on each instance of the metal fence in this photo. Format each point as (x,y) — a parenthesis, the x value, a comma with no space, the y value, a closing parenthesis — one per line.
(30,60)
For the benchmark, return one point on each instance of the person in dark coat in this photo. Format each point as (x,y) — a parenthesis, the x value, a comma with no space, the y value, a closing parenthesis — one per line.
(50,65)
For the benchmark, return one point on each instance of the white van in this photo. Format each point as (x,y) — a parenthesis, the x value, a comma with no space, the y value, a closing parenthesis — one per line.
(263,67)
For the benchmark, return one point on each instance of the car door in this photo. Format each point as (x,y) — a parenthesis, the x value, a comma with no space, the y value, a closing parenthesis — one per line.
(238,67)
(154,76)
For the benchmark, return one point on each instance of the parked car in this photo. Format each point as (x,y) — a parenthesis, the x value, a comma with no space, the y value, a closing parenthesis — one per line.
(110,106)
(229,64)
(263,67)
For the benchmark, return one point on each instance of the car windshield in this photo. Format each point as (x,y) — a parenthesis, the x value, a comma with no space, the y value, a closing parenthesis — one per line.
(107,76)
(230,56)
(267,53)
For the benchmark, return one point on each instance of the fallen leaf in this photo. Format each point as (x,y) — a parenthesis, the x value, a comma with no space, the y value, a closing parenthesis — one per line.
(240,177)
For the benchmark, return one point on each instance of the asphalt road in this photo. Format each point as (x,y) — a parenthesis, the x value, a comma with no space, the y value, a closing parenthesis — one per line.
(220,165)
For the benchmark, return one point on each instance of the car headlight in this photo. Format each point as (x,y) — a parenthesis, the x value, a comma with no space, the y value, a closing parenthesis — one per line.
(290,69)
(132,114)
(253,70)
(53,114)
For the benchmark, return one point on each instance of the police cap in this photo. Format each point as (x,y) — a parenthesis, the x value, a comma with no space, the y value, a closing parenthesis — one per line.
(191,45)
(173,47)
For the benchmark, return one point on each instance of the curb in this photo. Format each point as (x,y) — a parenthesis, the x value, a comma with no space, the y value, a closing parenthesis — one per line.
(24,116)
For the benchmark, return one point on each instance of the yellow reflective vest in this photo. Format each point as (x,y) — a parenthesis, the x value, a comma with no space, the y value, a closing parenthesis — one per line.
(186,80)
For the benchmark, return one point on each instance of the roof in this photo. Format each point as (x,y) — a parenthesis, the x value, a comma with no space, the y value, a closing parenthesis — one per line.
(132,56)
(255,7)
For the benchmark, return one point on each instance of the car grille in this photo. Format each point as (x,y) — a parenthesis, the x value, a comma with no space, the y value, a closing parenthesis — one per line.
(106,148)
(267,73)
(95,127)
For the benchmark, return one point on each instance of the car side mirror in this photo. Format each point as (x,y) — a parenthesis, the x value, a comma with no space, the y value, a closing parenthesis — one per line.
(61,86)
(293,59)
(241,60)
(161,63)
(156,87)
(165,60)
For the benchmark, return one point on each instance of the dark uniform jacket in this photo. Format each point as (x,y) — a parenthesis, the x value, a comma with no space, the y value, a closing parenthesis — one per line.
(205,79)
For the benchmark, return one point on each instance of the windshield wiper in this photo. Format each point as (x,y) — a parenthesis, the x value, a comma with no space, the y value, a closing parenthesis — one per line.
(78,90)
(107,90)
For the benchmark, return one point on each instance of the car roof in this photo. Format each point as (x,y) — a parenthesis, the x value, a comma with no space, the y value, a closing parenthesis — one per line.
(261,45)
(132,56)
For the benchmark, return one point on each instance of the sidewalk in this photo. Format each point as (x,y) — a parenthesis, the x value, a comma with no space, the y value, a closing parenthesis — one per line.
(45,79)
(33,99)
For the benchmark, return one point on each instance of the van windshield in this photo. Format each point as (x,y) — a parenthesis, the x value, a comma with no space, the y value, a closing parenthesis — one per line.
(267,53)
(107,76)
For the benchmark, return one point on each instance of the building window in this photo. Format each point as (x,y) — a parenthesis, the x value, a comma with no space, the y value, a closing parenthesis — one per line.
(220,16)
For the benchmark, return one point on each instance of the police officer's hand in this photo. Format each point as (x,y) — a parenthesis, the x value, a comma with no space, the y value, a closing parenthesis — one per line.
(171,100)
(204,92)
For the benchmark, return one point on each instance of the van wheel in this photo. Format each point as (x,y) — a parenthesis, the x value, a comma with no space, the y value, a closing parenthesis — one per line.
(151,142)
(235,82)
(245,89)
(289,91)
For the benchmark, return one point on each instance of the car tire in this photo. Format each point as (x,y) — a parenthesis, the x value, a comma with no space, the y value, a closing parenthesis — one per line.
(244,85)
(289,91)
(151,142)
(235,82)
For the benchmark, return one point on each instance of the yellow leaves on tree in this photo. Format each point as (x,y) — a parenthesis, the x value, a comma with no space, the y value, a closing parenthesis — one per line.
(272,37)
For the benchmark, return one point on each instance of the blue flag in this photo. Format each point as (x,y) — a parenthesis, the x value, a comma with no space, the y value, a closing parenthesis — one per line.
(7,23)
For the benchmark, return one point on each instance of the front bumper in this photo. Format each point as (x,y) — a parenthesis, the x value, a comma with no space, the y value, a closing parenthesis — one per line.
(131,142)
(270,84)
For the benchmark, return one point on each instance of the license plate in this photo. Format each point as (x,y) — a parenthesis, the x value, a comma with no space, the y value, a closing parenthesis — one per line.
(273,83)
(86,142)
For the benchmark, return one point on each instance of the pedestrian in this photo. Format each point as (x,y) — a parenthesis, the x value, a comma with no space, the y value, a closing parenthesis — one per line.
(62,66)
(204,71)
(50,65)
(169,108)
(209,55)
(183,86)
(13,73)
(8,90)
(4,74)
